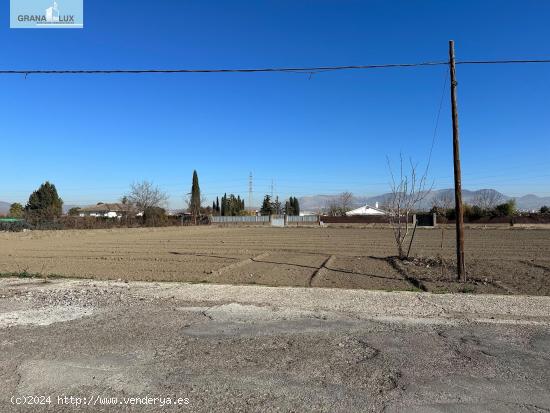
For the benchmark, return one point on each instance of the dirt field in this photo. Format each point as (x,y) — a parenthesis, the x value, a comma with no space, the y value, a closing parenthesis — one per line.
(501,261)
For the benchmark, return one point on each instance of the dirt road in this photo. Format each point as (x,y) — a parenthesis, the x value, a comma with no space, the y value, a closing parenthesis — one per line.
(499,261)
(252,348)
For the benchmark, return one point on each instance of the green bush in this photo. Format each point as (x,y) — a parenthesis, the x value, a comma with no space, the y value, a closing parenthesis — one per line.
(471,213)
(507,209)
(16,210)
(475,212)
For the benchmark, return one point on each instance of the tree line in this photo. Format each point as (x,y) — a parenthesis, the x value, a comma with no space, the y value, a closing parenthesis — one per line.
(275,207)
(149,201)
(487,203)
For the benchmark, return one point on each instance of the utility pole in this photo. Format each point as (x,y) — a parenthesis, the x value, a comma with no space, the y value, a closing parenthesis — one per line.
(461,270)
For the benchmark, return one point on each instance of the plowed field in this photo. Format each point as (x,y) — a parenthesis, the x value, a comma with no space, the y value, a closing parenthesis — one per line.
(501,261)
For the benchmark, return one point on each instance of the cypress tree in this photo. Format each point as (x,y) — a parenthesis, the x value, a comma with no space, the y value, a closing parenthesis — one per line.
(195,203)
(266,208)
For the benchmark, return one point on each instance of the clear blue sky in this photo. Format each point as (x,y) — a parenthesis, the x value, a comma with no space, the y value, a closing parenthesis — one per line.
(93,135)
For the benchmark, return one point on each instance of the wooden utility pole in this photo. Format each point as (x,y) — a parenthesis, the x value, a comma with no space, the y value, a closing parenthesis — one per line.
(461,271)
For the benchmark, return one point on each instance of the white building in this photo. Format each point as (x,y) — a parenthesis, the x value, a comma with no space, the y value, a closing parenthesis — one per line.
(105,210)
(367,210)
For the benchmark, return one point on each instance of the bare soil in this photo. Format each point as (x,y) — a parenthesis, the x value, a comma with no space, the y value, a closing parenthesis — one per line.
(501,261)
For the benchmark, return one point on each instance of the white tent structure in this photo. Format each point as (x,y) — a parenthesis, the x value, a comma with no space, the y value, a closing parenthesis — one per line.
(367,210)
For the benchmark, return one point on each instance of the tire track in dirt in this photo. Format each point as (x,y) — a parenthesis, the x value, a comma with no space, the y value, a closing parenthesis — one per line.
(318,270)
(240,263)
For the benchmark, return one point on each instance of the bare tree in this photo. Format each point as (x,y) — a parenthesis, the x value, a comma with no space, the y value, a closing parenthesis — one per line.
(332,209)
(444,200)
(338,206)
(346,201)
(145,195)
(487,198)
(407,191)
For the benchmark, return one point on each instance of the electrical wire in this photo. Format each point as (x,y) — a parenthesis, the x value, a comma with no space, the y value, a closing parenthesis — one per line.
(308,70)
(257,70)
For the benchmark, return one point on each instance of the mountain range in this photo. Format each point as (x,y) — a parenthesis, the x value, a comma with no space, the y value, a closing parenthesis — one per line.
(525,203)
(318,202)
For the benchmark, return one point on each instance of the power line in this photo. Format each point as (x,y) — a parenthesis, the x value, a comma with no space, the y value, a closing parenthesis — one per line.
(437,122)
(307,70)
(252,70)
(500,62)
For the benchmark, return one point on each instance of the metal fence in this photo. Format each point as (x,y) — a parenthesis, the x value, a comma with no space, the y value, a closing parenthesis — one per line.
(306,219)
(264,219)
(244,219)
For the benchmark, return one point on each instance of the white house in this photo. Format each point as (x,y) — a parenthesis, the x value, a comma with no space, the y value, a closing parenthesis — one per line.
(367,210)
(105,210)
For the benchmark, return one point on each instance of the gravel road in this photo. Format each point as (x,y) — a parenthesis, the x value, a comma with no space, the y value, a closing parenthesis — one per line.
(113,344)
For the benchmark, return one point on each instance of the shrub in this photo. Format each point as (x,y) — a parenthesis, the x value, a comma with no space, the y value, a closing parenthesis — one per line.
(475,212)
(16,210)
(471,213)
(48,225)
(14,226)
(154,216)
(74,211)
(506,209)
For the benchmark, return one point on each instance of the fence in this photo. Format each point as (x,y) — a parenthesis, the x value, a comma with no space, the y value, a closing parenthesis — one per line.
(306,219)
(263,219)
(358,219)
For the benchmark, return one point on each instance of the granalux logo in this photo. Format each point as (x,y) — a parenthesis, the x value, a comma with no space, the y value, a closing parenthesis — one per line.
(50,14)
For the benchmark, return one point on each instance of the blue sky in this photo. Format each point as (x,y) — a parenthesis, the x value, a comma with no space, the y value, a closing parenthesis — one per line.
(93,135)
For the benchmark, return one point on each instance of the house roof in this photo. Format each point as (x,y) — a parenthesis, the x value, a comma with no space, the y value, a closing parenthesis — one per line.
(116,207)
(366,210)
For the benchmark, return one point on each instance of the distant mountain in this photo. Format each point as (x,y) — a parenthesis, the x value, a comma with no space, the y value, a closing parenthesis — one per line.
(531,201)
(526,202)
(4,207)
(318,202)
